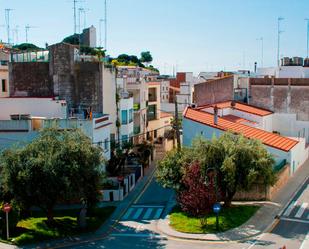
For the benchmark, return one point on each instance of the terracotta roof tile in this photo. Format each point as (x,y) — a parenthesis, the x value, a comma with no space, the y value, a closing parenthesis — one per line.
(241,107)
(267,138)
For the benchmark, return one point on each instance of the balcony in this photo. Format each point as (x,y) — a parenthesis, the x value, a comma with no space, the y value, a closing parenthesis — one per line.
(137,130)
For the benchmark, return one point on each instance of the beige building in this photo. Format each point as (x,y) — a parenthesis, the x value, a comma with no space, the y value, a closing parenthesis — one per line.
(4,74)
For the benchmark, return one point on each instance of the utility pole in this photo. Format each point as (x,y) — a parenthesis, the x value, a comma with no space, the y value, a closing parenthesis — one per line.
(279,33)
(7,20)
(176,126)
(262,49)
(307,20)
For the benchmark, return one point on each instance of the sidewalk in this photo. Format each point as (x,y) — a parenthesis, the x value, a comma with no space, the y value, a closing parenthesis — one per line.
(263,221)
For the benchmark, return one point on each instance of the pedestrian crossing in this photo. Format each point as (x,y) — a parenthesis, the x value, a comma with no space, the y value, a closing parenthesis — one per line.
(297,210)
(143,212)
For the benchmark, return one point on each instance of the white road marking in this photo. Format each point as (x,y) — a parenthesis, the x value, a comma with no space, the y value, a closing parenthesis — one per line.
(158,213)
(301,210)
(147,214)
(147,235)
(305,243)
(290,208)
(295,220)
(128,213)
(138,213)
(147,206)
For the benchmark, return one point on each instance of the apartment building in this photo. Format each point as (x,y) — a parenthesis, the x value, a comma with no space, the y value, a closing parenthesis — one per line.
(4,73)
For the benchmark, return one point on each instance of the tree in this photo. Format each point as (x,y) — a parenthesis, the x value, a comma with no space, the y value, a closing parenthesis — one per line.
(58,165)
(238,163)
(26,47)
(198,196)
(146,57)
(72,39)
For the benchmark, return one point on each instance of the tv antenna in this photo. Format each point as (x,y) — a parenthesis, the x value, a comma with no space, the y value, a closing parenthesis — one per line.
(279,34)
(7,20)
(27,29)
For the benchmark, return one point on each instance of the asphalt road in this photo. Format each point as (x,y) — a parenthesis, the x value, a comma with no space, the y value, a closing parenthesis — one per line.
(137,227)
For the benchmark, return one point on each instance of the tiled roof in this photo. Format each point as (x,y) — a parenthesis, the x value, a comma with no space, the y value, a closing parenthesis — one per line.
(267,138)
(154,83)
(241,107)
(236,119)
(165,114)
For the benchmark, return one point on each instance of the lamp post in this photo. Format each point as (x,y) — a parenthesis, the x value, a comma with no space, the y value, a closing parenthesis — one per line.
(217,206)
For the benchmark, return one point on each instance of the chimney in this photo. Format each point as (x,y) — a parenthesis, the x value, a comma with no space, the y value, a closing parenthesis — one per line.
(215,115)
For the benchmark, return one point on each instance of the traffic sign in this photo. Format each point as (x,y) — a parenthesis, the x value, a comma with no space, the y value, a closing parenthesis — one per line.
(216,207)
(7,207)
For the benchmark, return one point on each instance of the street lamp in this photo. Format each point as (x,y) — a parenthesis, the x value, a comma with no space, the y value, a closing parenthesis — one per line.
(217,205)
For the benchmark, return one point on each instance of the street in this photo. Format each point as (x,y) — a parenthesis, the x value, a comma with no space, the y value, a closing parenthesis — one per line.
(137,227)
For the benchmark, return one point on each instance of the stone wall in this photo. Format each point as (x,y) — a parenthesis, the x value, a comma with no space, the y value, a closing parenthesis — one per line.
(281,95)
(259,192)
(213,91)
(30,79)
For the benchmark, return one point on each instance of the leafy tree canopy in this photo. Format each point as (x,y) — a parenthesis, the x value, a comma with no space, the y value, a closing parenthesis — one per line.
(238,161)
(26,47)
(146,57)
(56,166)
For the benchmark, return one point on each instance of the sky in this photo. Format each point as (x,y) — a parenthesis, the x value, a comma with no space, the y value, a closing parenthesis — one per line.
(187,35)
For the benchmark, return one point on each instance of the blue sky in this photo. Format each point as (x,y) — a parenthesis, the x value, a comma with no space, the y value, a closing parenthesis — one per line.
(194,35)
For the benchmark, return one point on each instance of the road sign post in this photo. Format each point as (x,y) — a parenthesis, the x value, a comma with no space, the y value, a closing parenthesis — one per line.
(216,208)
(7,208)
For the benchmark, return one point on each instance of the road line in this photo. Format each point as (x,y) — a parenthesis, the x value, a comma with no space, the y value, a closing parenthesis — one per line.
(158,213)
(148,206)
(305,243)
(290,208)
(147,214)
(128,213)
(144,235)
(296,220)
(138,213)
(301,210)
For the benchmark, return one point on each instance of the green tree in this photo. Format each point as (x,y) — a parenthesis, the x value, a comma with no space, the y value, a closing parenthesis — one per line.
(237,161)
(146,57)
(58,165)
(26,47)
(72,39)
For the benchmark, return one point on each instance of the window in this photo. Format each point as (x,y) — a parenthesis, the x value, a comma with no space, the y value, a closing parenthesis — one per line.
(124,138)
(4,86)
(130,115)
(124,117)
(106,144)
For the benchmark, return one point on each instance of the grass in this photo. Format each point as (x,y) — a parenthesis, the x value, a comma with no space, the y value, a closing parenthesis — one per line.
(35,229)
(228,218)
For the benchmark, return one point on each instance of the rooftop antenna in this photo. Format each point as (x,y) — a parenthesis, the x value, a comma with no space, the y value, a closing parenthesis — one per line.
(15,34)
(100,31)
(262,49)
(80,11)
(7,20)
(307,20)
(279,33)
(27,28)
(74,14)
(105,24)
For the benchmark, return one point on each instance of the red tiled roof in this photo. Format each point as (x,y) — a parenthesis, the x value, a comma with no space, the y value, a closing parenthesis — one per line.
(267,138)
(236,119)
(165,114)
(154,83)
(241,107)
